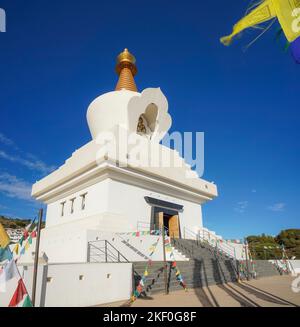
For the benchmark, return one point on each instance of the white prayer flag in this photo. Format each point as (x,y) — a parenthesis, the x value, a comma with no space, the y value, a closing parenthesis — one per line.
(9,272)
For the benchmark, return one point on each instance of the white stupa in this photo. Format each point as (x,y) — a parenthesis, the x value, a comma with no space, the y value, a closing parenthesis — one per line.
(97,192)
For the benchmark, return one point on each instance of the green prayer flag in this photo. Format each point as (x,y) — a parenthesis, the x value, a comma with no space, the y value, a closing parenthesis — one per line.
(27,302)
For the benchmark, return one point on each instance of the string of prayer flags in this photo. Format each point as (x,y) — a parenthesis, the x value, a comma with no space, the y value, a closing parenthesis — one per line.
(10,271)
(174,264)
(27,228)
(26,233)
(141,284)
(178,275)
(143,233)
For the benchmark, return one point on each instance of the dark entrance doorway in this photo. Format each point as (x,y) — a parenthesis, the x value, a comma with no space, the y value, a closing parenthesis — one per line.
(169,221)
(165,214)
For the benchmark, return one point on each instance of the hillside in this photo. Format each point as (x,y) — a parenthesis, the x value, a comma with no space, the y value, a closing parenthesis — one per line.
(269,247)
(13,223)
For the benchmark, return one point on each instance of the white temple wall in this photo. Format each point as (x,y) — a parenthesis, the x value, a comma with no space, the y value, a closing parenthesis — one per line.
(96,201)
(123,204)
(70,285)
(129,201)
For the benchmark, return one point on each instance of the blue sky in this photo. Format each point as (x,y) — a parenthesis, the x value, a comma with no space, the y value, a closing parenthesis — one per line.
(57,56)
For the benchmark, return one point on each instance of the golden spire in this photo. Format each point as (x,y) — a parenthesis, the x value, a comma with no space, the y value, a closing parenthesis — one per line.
(126,69)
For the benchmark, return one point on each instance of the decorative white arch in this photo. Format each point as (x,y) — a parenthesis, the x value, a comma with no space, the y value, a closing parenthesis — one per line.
(152,105)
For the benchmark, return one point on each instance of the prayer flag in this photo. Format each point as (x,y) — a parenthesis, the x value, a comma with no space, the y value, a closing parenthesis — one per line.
(287,13)
(16,249)
(4,238)
(9,272)
(5,254)
(27,302)
(19,294)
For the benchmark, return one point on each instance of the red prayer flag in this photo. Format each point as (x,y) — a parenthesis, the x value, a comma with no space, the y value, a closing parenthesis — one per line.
(25,234)
(18,295)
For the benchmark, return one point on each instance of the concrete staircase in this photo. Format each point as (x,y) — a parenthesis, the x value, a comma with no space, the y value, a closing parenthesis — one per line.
(204,268)
(264,268)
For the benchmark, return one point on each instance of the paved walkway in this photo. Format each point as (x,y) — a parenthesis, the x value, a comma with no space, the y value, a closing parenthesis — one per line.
(265,292)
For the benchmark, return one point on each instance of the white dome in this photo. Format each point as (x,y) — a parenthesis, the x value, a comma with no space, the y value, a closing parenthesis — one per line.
(108,110)
(124,108)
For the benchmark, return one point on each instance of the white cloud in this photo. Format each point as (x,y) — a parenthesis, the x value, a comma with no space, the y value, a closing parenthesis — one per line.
(14,187)
(253,191)
(34,164)
(277,207)
(5,140)
(25,159)
(241,206)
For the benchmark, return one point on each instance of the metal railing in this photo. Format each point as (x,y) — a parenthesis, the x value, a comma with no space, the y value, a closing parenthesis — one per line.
(103,251)
(205,237)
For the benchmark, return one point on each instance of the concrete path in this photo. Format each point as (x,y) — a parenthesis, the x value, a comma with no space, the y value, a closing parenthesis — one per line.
(265,292)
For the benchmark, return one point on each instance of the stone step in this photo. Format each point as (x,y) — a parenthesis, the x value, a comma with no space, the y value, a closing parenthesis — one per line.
(205,267)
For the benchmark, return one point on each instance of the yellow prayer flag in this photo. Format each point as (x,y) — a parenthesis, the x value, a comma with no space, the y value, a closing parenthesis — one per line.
(262,13)
(27,246)
(288,14)
(4,238)
(16,249)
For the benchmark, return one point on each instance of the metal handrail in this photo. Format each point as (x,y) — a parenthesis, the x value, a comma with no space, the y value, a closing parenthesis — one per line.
(198,237)
(107,252)
(188,231)
(102,253)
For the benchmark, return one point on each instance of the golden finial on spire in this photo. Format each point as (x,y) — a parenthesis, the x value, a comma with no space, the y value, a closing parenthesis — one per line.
(126,69)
